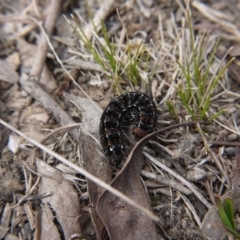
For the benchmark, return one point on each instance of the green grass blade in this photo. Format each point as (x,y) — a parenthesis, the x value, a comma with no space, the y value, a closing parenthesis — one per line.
(216,115)
(182,69)
(222,213)
(234,233)
(210,62)
(88,44)
(228,207)
(221,73)
(132,67)
(171,109)
(109,49)
(206,106)
(186,74)
(182,96)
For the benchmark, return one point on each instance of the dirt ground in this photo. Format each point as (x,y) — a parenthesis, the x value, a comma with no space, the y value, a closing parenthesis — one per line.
(54,89)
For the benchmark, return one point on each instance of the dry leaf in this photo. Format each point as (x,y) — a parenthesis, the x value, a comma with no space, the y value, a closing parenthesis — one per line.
(93,160)
(7,72)
(120,218)
(6,215)
(212,225)
(3,231)
(11,237)
(4,135)
(63,204)
(48,227)
(115,213)
(14,59)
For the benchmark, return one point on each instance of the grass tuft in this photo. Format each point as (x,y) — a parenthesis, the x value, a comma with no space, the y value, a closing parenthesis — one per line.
(129,63)
(198,84)
(126,67)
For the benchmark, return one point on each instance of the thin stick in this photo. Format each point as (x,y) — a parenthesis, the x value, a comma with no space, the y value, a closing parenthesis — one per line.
(214,157)
(49,24)
(168,182)
(83,172)
(31,84)
(180,178)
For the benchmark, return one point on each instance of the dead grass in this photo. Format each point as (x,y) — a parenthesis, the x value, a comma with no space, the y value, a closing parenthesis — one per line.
(41,93)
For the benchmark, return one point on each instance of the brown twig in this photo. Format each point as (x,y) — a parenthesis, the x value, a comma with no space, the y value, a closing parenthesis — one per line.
(236,169)
(223,143)
(31,84)
(83,172)
(50,22)
(181,179)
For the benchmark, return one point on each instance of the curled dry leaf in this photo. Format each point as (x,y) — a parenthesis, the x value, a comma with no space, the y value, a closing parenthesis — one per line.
(62,205)
(120,218)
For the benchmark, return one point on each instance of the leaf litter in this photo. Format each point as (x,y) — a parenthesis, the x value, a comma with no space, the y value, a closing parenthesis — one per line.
(206,161)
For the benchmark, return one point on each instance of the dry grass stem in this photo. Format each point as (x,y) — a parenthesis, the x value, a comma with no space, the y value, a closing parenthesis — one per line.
(192,209)
(63,62)
(63,67)
(214,157)
(106,7)
(37,92)
(180,178)
(84,172)
(216,17)
(168,182)
(53,13)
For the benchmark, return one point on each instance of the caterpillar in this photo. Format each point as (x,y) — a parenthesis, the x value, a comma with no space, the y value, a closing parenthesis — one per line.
(132,107)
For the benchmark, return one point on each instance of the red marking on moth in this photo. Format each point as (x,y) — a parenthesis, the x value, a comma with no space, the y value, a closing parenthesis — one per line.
(140,133)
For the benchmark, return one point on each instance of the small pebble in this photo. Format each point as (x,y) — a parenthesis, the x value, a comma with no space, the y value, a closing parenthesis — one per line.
(196,174)
(230,151)
(232,137)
